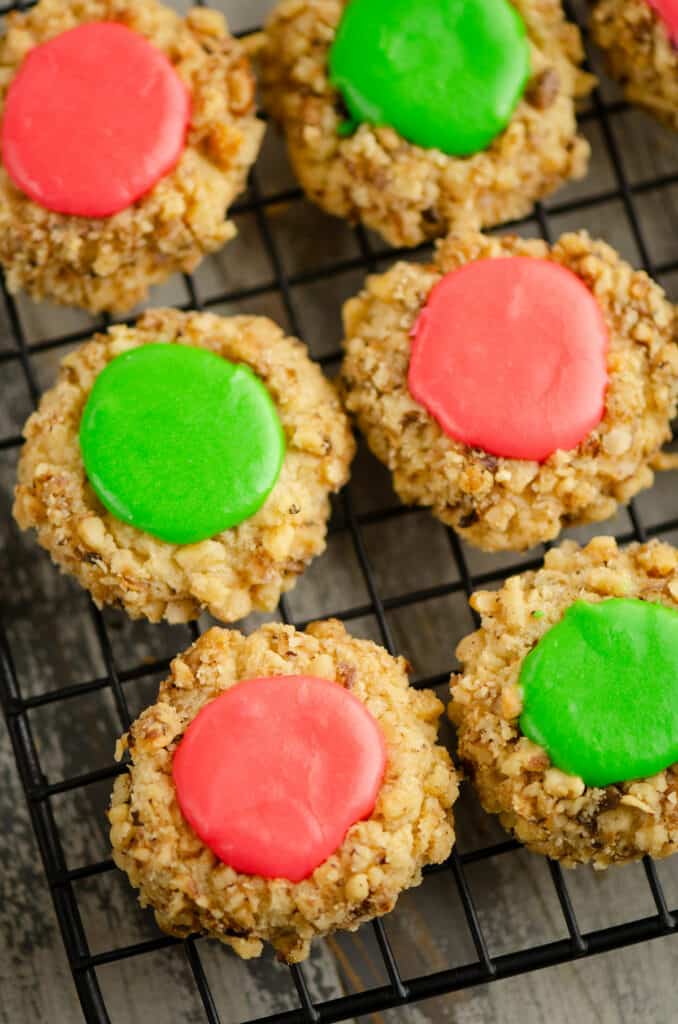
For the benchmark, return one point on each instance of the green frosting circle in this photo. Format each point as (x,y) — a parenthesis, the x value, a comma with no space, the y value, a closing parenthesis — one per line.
(445,74)
(179,442)
(600,691)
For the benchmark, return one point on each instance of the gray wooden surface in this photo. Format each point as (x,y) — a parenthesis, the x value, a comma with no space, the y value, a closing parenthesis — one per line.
(54,643)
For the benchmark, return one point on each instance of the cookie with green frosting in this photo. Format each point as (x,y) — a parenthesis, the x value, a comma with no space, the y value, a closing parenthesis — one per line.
(420,116)
(185,463)
(568,721)
(179,442)
(600,690)
(445,74)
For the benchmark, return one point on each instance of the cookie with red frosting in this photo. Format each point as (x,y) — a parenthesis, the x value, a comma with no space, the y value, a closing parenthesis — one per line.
(283,786)
(640,41)
(514,387)
(127,131)
(392,121)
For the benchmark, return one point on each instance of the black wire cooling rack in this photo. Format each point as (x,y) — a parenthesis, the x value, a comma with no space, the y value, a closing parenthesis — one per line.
(38,791)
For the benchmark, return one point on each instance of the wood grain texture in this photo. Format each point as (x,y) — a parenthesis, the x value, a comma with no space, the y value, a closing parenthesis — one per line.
(54,643)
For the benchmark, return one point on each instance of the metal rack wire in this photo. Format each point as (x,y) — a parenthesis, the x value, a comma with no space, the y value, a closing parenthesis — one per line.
(38,791)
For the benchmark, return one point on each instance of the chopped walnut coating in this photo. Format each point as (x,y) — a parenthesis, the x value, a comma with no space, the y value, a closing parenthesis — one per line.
(640,55)
(192,891)
(242,569)
(550,811)
(499,503)
(408,193)
(109,263)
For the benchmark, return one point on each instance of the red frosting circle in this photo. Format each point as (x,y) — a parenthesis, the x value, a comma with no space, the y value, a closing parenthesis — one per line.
(668,12)
(93,119)
(510,355)
(273,773)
